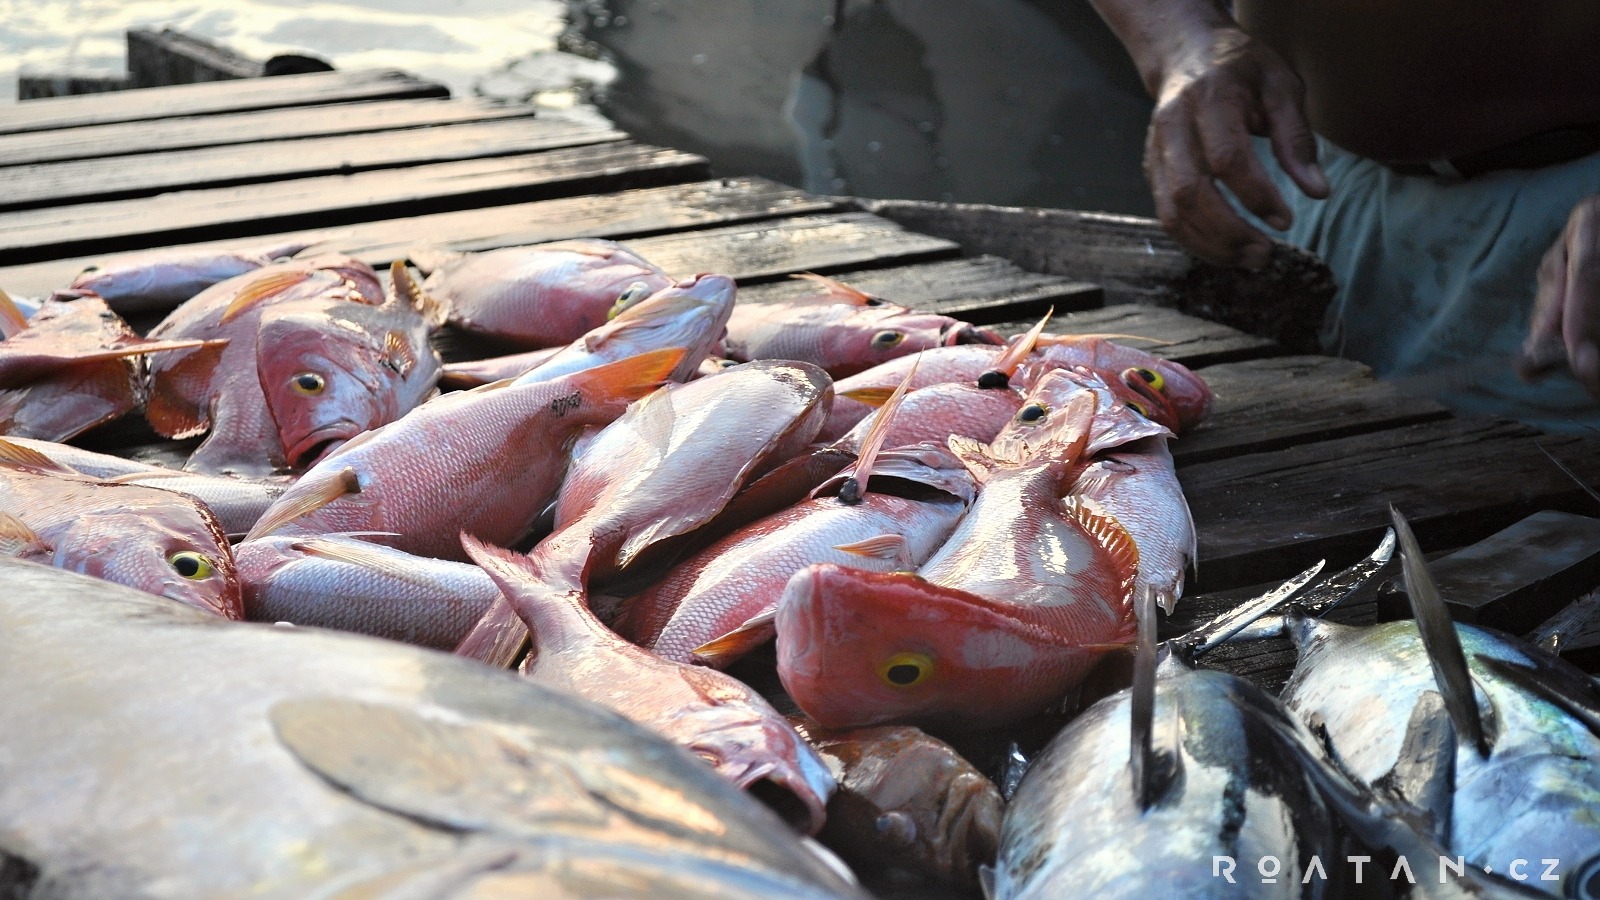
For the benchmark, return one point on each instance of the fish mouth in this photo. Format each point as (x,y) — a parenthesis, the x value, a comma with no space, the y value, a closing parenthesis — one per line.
(309,450)
(968,333)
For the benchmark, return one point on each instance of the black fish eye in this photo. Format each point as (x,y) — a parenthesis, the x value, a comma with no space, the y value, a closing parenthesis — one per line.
(1150,377)
(1138,408)
(1032,413)
(876,301)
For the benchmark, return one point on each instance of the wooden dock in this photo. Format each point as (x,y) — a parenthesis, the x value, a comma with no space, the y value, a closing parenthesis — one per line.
(1299,461)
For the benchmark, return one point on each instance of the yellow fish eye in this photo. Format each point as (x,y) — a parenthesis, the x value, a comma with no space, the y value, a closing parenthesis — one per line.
(1150,377)
(1033,413)
(190,565)
(308,383)
(1138,408)
(883,340)
(904,670)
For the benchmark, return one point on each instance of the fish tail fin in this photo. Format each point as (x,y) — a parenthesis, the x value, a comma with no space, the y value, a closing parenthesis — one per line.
(12,320)
(1439,638)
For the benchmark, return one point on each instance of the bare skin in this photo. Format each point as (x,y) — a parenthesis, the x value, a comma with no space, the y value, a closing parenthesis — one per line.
(1409,81)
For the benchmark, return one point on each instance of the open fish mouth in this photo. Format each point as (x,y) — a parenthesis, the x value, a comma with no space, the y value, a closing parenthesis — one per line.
(967,333)
(310,450)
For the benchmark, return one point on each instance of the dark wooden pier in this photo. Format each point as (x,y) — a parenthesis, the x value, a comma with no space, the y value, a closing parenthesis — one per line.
(1299,461)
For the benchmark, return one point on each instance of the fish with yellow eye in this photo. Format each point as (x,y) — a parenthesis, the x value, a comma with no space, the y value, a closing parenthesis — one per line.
(1149,379)
(1002,622)
(158,541)
(1126,472)
(842,329)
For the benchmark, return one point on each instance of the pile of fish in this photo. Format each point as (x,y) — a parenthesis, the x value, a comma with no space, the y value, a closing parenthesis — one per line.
(760,569)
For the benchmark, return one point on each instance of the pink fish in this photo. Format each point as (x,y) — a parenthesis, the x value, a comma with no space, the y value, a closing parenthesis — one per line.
(340,581)
(714,715)
(1170,384)
(963,363)
(841,329)
(160,542)
(914,498)
(485,461)
(1002,622)
(544,295)
(934,413)
(159,279)
(314,357)
(70,366)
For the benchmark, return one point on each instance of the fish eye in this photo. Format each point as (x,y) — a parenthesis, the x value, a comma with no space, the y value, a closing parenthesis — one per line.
(1138,408)
(1033,413)
(87,270)
(1585,883)
(630,295)
(1149,376)
(904,670)
(876,301)
(190,565)
(883,340)
(308,383)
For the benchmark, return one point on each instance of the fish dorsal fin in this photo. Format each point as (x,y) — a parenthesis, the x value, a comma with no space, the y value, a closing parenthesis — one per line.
(12,321)
(406,289)
(466,776)
(17,539)
(837,289)
(891,547)
(855,484)
(397,350)
(1439,639)
(1152,770)
(1425,770)
(720,652)
(871,396)
(260,289)
(309,494)
(1007,363)
(17,456)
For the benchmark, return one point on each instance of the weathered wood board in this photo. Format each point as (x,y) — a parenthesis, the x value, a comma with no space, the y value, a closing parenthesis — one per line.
(973,289)
(255,209)
(216,97)
(122,177)
(621,215)
(190,132)
(1171,334)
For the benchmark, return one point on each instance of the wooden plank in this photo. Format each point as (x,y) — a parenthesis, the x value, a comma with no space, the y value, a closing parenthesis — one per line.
(329,200)
(1268,404)
(216,97)
(125,177)
(188,132)
(617,216)
(1186,339)
(969,289)
(768,251)
(1269,515)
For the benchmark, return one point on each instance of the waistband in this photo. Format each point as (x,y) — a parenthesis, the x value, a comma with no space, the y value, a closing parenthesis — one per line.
(1546,148)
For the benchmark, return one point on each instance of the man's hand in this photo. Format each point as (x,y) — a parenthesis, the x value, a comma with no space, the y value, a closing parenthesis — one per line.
(1217,88)
(1566,307)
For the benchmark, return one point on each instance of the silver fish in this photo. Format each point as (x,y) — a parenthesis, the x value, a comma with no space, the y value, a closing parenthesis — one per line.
(206,758)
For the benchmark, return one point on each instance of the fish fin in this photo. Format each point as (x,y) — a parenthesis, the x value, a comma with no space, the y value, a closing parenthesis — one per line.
(17,456)
(1569,690)
(18,540)
(1439,639)
(460,775)
(890,547)
(1220,629)
(871,396)
(1425,770)
(143,347)
(429,259)
(1112,537)
(1153,769)
(1335,588)
(457,380)
(630,378)
(406,288)
(367,556)
(721,652)
(172,408)
(855,483)
(986,881)
(1005,365)
(498,638)
(397,350)
(836,288)
(12,321)
(259,289)
(317,493)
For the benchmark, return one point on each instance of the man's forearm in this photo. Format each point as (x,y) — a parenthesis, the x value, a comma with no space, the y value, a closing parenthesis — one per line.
(1156,32)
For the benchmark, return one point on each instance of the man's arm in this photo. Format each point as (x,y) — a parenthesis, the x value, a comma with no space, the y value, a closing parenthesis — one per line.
(1214,87)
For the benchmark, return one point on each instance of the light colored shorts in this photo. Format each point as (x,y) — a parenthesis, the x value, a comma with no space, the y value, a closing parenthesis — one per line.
(1436,278)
